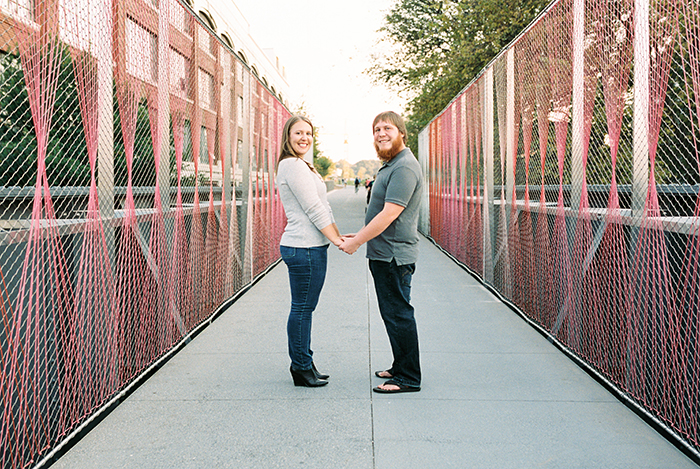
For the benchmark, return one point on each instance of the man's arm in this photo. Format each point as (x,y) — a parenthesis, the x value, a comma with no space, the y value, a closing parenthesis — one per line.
(374,228)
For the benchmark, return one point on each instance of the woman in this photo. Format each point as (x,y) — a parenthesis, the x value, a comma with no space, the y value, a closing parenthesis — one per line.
(304,243)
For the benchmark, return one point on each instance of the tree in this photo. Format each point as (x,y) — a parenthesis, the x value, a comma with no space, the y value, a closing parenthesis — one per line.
(323,166)
(66,159)
(366,168)
(438,46)
(322,163)
(346,171)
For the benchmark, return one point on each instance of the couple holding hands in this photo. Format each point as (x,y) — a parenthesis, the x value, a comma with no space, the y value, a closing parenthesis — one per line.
(391,234)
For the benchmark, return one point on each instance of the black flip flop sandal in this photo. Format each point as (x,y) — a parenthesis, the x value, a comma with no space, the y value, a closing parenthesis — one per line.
(401,388)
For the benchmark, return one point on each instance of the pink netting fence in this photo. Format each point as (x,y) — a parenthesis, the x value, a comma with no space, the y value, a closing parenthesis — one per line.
(136,195)
(567,176)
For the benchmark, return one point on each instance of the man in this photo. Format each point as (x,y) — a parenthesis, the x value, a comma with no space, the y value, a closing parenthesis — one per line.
(391,234)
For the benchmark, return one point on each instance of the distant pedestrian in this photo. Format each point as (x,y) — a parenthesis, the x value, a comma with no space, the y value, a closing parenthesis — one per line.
(391,234)
(304,243)
(357,184)
(370,182)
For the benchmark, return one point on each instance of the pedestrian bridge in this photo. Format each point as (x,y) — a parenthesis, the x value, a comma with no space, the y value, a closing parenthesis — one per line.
(496,393)
(142,308)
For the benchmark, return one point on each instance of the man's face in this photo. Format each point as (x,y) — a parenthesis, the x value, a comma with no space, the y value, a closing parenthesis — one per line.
(388,141)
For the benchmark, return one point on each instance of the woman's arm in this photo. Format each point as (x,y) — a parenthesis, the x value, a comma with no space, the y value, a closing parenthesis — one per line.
(331,232)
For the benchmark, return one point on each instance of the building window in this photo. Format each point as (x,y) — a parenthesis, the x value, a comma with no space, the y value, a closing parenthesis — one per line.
(75,21)
(238,171)
(206,41)
(232,110)
(141,52)
(179,67)
(20,9)
(239,71)
(240,111)
(227,40)
(179,18)
(204,38)
(203,150)
(206,90)
(187,151)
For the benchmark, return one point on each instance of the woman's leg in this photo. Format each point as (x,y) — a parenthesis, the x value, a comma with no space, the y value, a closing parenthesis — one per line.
(307,272)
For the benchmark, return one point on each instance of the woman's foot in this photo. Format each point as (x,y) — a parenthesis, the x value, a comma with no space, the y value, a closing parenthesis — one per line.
(386,374)
(318,374)
(306,378)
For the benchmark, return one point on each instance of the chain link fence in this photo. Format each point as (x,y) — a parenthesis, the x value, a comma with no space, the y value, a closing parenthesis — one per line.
(136,195)
(566,176)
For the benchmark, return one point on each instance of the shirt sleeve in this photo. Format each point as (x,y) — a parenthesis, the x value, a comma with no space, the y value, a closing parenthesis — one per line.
(401,186)
(301,182)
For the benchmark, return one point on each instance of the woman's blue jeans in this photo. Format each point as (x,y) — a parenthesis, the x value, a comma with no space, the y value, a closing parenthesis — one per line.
(393,286)
(307,272)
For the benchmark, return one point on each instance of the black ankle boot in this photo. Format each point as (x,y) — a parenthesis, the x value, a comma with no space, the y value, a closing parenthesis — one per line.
(318,374)
(306,378)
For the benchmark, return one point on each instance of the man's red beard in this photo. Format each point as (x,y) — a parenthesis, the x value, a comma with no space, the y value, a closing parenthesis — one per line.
(388,155)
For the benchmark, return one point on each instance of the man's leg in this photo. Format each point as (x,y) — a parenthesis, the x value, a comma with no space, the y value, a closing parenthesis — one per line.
(393,286)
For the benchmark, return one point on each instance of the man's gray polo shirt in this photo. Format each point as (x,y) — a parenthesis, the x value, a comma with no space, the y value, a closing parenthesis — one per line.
(400,181)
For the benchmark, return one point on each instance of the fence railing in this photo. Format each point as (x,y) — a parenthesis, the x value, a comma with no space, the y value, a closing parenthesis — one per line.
(136,195)
(566,176)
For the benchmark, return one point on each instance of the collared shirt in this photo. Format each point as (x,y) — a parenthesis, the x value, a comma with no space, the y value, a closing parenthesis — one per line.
(400,181)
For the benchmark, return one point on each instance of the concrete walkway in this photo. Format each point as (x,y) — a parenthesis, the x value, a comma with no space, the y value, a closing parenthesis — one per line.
(495,393)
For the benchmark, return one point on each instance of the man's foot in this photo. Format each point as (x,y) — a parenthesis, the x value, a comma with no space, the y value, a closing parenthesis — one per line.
(383,374)
(391,387)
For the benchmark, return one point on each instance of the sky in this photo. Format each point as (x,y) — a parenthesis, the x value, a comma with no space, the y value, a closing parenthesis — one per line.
(325,46)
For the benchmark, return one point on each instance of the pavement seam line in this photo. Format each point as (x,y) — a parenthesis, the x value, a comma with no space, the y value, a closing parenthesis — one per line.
(369,356)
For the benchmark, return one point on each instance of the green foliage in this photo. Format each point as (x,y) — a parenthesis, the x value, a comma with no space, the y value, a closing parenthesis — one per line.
(67,162)
(143,162)
(439,46)
(323,166)
(346,171)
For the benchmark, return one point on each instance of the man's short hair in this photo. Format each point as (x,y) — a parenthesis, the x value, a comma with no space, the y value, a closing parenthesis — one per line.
(392,118)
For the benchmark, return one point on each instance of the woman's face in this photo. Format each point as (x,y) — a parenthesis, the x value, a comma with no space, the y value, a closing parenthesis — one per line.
(300,137)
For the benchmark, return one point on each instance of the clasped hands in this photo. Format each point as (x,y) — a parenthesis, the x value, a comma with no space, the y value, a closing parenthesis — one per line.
(347,243)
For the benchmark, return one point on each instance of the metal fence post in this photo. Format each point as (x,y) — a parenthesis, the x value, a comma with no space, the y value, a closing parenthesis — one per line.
(246,207)
(511,142)
(225,128)
(487,123)
(578,105)
(164,101)
(640,133)
(424,160)
(105,126)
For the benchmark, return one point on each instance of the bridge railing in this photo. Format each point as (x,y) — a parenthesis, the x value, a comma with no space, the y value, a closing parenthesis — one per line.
(136,196)
(566,176)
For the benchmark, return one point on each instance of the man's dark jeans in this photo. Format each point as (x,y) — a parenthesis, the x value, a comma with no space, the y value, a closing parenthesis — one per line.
(393,286)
